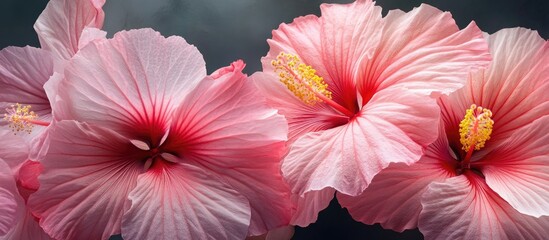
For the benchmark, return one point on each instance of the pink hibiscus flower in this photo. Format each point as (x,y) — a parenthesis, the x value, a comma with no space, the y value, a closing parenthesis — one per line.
(487,175)
(145,144)
(25,70)
(357,91)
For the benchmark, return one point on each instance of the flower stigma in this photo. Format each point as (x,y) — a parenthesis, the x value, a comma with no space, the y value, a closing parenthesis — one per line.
(21,118)
(302,80)
(475,128)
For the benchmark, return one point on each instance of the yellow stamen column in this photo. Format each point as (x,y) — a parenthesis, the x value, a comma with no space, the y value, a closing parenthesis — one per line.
(304,83)
(474,130)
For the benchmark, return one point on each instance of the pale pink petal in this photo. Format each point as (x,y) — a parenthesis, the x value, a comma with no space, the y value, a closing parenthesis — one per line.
(60,25)
(8,202)
(87,176)
(14,150)
(225,126)
(424,51)
(23,72)
(27,228)
(514,87)
(518,169)
(464,207)
(394,196)
(89,34)
(175,201)
(129,83)
(309,205)
(396,126)
(235,66)
(302,118)
(349,33)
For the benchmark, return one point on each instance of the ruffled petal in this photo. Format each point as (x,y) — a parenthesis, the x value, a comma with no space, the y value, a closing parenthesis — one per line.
(23,72)
(464,207)
(130,83)
(8,202)
(226,126)
(60,25)
(518,169)
(309,205)
(89,34)
(394,196)
(88,174)
(174,201)
(395,127)
(424,51)
(349,33)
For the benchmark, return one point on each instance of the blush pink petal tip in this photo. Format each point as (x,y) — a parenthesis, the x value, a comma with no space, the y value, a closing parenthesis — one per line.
(473,211)
(236,66)
(177,201)
(309,205)
(60,25)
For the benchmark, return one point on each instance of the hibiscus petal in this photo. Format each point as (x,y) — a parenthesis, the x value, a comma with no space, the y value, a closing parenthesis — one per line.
(518,169)
(464,207)
(309,205)
(424,51)
(89,34)
(8,203)
(395,127)
(27,228)
(130,82)
(394,196)
(349,33)
(60,25)
(14,151)
(23,72)
(175,201)
(226,126)
(87,176)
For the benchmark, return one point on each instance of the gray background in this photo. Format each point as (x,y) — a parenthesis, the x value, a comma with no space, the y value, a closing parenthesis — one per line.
(228,30)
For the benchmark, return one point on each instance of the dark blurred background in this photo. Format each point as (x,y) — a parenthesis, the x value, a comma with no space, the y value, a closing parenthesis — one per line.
(226,30)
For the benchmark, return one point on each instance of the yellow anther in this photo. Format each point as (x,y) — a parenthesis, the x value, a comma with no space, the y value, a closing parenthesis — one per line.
(475,128)
(301,79)
(20,118)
